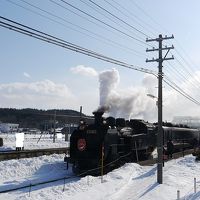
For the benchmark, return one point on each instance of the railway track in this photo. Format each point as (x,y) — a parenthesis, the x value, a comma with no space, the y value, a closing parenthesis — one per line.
(8,155)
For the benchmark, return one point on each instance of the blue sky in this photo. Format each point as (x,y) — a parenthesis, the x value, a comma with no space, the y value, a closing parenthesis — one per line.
(42,71)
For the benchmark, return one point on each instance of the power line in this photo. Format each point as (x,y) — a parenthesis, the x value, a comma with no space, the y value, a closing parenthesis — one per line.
(160,26)
(119,11)
(186,54)
(183,58)
(134,28)
(62,43)
(51,18)
(106,24)
(180,73)
(81,16)
(131,15)
(187,64)
(180,91)
(105,58)
(100,37)
(149,16)
(98,25)
(108,17)
(188,72)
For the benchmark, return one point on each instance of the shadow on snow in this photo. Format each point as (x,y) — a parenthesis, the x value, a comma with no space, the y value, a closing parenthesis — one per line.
(47,172)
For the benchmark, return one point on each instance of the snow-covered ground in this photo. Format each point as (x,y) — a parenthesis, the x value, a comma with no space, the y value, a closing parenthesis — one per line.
(32,141)
(130,182)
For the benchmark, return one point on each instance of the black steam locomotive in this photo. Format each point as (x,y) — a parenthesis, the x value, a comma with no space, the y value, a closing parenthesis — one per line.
(116,141)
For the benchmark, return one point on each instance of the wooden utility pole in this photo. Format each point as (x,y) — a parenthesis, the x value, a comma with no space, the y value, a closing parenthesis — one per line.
(160,77)
(81,112)
(54,127)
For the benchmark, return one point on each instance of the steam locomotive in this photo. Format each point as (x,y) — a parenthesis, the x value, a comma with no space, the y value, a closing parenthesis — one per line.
(115,141)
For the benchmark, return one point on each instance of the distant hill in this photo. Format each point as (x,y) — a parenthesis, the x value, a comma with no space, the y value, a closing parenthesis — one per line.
(34,118)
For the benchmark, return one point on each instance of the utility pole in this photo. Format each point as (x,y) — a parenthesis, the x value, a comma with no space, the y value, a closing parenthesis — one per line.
(81,112)
(54,127)
(160,77)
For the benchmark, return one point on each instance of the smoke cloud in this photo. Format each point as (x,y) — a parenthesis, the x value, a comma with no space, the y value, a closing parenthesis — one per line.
(133,101)
(108,81)
(129,103)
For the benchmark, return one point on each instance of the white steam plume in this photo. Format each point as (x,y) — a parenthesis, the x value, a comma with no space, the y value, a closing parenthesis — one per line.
(108,82)
(128,103)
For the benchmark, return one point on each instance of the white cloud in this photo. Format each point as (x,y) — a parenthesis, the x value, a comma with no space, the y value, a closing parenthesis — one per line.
(86,71)
(26,75)
(42,94)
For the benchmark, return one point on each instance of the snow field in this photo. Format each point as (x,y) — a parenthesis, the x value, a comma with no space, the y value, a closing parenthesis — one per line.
(130,182)
(32,141)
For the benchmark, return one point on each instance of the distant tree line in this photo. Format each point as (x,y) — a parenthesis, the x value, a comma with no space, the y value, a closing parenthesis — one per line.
(42,119)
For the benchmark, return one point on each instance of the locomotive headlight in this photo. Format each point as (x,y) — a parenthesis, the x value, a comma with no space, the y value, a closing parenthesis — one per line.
(81,122)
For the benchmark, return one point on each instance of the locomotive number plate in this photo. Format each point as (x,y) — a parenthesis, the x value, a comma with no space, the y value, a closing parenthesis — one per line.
(91,132)
(81,144)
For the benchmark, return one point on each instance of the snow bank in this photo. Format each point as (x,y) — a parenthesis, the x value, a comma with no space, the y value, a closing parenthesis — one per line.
(130,182)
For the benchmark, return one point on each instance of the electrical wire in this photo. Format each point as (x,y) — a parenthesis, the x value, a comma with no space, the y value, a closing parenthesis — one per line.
(98,25)
(134,28)
(149,16)
(98,36)
(186,67)
(62,43)
(106,24)
(110,18)
(131,15)
(186,83)
(180,73)
(179,90)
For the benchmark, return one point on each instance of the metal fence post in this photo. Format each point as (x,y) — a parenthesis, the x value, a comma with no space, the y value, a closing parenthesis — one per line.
(88,180)
(178,194)
(136,151)
(30,190)
(195,185)
(64,185)
(102,157)
(183,149)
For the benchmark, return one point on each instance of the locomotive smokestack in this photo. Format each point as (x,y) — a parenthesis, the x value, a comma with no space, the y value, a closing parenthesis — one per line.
(98,117)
